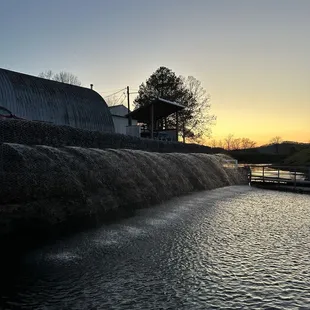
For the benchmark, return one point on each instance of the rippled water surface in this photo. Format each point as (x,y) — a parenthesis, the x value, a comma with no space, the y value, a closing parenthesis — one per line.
(229,248)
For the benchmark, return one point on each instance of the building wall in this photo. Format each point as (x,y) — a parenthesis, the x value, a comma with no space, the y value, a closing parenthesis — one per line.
(121,123)
(119,110)
(120,120)
(40,99)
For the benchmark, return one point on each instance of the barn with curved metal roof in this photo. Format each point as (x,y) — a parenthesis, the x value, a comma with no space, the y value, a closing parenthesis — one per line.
(35,98)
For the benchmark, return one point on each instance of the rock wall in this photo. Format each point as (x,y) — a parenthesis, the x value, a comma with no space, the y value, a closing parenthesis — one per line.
(43,186)
(58,176)
(39,133)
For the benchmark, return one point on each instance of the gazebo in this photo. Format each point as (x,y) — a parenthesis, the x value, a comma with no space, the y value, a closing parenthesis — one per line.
(156,110)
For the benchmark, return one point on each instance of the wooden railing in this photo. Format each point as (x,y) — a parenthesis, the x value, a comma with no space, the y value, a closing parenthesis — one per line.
(279,175)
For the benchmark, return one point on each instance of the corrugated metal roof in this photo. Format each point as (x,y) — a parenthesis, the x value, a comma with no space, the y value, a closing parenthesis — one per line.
(35,98)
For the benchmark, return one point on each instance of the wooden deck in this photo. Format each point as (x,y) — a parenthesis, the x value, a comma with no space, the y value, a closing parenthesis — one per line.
(295,179)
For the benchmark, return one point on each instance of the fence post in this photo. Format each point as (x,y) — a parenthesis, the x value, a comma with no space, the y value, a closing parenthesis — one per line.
(263,174)
(250,175)
(295,178)
(278,176)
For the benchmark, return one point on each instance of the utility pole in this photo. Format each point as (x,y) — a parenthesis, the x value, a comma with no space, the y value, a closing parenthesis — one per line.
(128,104)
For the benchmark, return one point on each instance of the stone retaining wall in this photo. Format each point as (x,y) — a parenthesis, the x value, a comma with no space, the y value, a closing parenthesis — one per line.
(39,133)
(43,187)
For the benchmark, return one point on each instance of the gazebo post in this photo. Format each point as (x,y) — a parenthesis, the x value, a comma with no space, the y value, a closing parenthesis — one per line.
(177,125)
(152,120)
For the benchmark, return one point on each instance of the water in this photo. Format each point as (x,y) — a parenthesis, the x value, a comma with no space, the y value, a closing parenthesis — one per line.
(42,186)
(230,248)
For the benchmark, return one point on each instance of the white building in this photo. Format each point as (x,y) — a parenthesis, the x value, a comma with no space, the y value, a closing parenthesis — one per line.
(120,121)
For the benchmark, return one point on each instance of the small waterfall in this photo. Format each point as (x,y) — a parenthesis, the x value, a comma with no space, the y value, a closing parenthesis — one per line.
(43,186)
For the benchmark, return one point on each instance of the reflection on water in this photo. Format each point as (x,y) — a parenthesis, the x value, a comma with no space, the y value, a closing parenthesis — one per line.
(228,248)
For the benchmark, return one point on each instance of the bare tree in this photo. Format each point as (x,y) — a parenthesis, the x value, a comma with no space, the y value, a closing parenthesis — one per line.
(231,143)
(246,143)
(47,75)
(236,144)
(113,100)
(66,77)
(213,143)
(221,144)
(63,77)
(200,122)
(228,141)
(276,140)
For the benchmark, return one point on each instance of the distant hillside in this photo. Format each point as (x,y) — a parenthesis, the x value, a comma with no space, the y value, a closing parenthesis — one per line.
(273,153)
(284,148)
(255,157)
(301,158)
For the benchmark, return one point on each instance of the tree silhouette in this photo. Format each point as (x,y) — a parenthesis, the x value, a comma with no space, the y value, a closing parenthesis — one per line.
(228,141)
(64,77)
(276,141)
(232,143)
(246,143)
(195,119)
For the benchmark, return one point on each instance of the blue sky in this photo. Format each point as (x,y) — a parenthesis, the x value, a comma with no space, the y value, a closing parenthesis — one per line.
(251,56)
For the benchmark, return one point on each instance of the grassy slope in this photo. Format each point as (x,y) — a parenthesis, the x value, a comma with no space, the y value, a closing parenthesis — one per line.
(273,154)
(301,158)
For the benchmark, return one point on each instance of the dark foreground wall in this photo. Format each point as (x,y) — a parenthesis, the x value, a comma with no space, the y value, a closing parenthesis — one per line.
(42,186)
(37,133)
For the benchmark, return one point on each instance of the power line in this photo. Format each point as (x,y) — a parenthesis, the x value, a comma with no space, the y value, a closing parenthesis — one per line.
(109,91)
(119,98)
(124,98)
(114,93)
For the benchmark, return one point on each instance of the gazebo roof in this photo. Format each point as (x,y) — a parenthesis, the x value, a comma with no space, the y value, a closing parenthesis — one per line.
(162,108)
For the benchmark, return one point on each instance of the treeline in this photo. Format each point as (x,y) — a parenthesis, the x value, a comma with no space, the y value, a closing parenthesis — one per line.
(232,143)
(245,150)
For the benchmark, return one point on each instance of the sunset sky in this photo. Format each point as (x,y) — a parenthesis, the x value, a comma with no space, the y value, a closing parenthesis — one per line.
(253,57)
